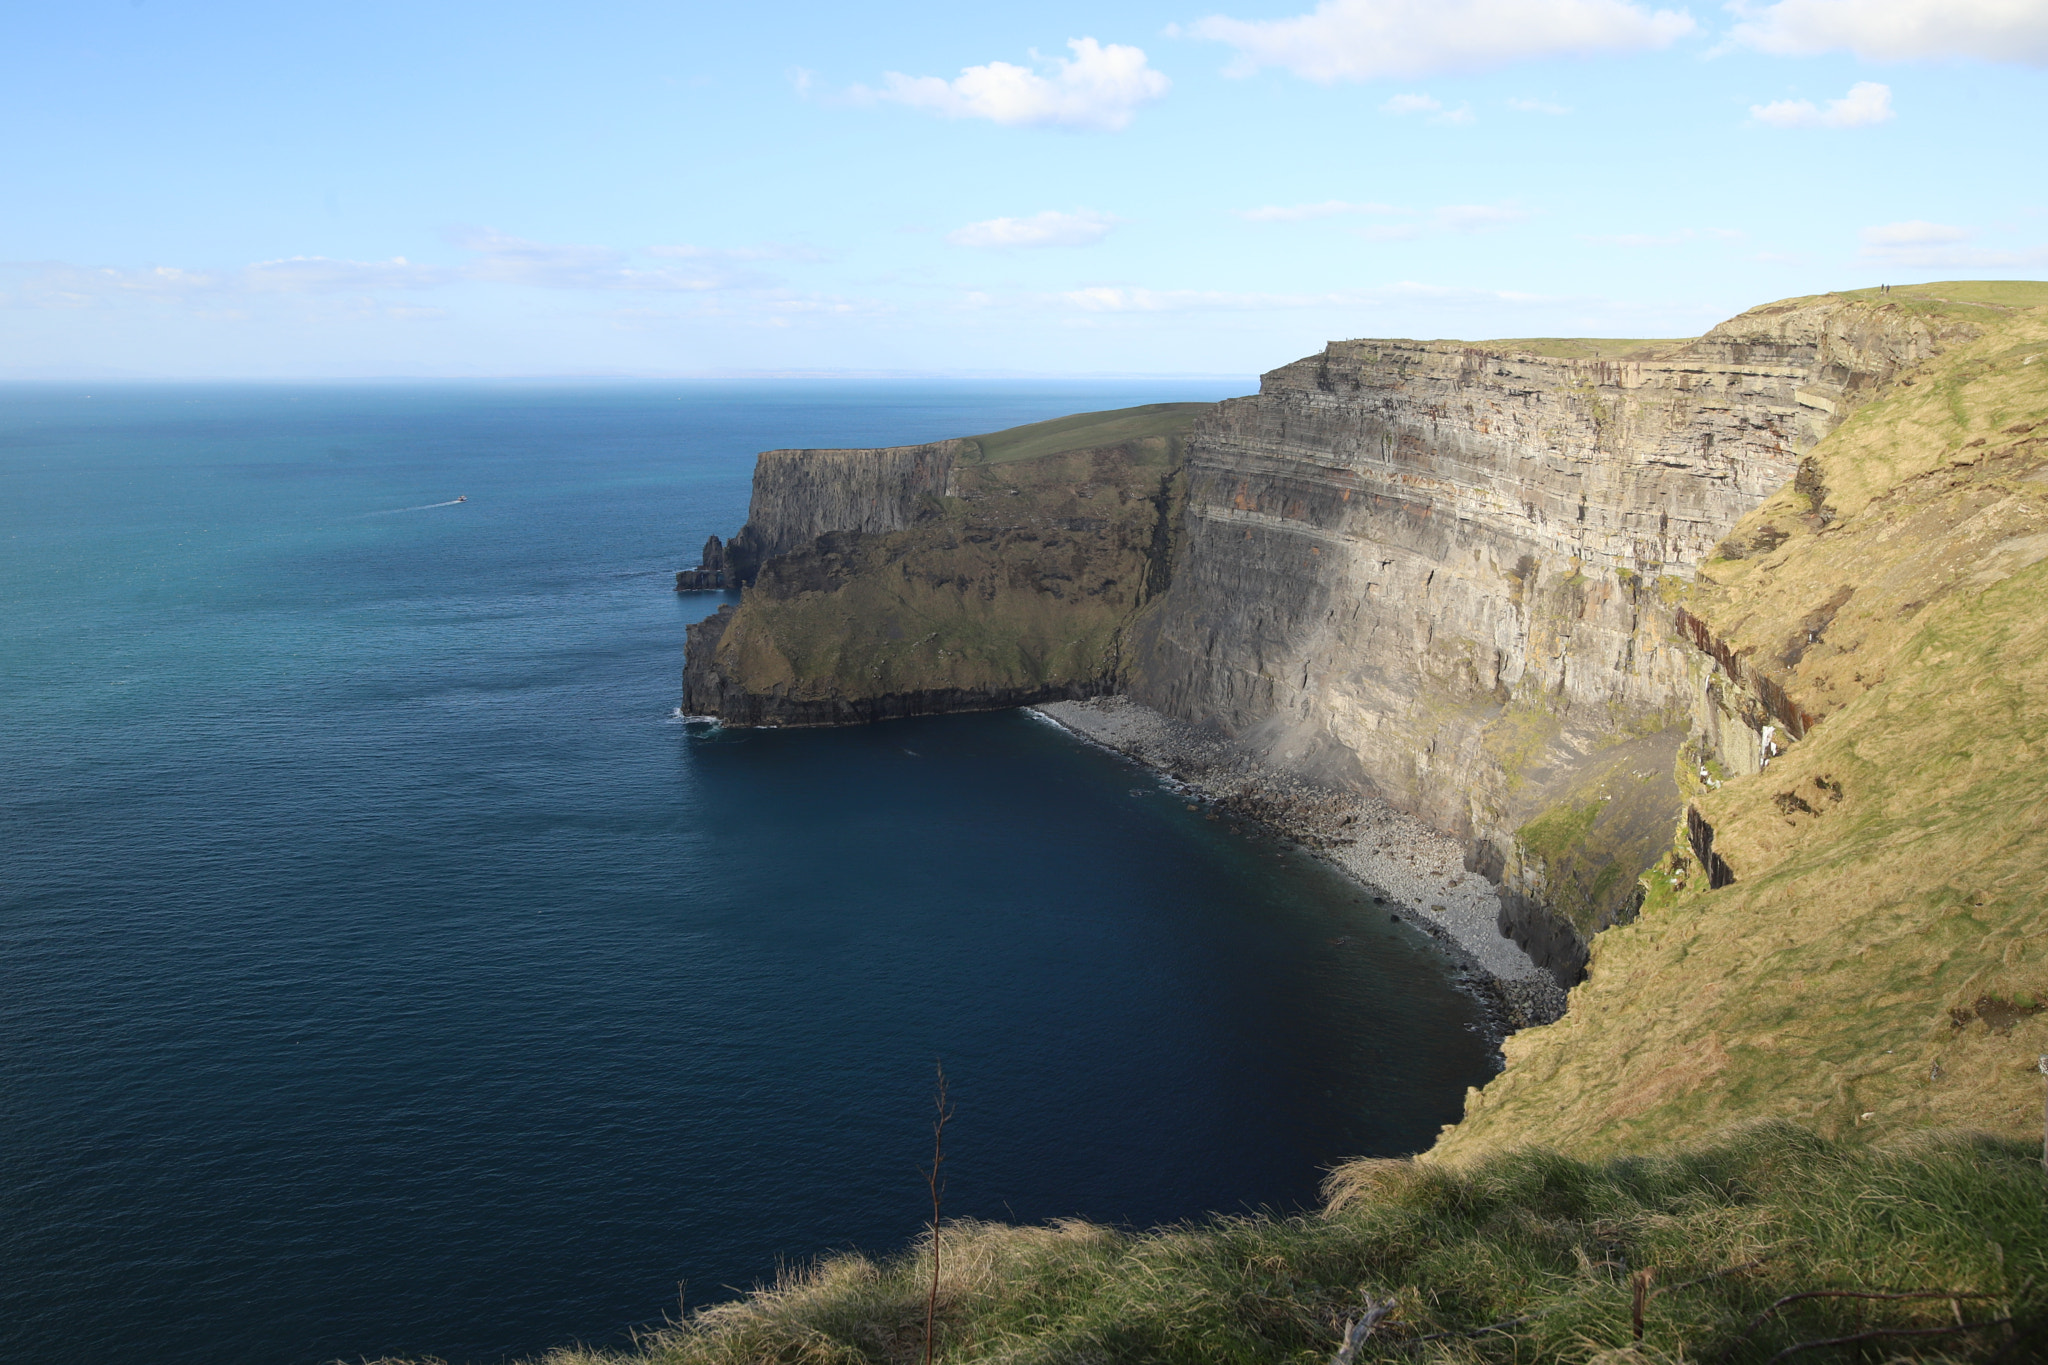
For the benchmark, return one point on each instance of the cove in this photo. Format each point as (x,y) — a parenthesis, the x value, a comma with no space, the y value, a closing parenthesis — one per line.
(384,968)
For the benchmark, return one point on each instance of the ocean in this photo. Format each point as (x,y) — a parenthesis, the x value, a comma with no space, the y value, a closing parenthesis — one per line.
(385,967)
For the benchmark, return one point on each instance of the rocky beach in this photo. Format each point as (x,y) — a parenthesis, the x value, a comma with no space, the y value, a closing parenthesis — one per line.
(1417,872)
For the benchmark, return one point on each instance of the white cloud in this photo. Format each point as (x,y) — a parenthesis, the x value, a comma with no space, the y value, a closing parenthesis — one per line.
(321,274)
(56,284)
(1885,30)
(1295,213)
(1084,227)
(1866,103)
(499,259)
(1357,40)
(1099,87)
(1919,243)
(1537,107)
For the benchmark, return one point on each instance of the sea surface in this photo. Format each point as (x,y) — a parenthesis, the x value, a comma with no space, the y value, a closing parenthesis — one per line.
(386,968)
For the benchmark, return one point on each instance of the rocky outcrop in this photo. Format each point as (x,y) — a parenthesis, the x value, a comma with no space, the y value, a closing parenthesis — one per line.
(980,582)
(712,571)
(1449,572)
(800,495)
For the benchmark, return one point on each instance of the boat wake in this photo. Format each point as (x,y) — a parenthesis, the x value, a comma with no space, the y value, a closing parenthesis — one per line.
(423,507)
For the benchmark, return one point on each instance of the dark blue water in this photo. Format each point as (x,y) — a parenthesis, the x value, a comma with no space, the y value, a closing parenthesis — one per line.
(383,968)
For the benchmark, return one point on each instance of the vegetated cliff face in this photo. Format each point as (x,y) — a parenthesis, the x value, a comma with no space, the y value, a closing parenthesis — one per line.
(1446,571)
(994,571)
(1879,960)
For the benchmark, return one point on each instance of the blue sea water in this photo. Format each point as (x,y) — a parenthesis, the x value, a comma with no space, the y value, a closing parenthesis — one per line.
(384,968)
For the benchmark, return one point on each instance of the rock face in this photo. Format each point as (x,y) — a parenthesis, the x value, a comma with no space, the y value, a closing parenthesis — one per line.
(800,495)
(1853,936)
(977,582)
(1448,571)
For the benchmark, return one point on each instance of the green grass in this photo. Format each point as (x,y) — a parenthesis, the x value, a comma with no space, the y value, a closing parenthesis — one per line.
(1585,348)
(1997,293)
(1085,430)
(1560,829)
(1526,1256)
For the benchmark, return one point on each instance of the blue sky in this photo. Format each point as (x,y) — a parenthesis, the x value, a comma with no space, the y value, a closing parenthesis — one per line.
(223,190)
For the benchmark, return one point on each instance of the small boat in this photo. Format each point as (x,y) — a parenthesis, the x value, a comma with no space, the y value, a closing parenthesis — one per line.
(461,498)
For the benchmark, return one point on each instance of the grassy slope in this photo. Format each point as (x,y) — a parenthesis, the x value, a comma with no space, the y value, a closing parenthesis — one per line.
(1086,429)
(1891,866)
(1543,1245)
(1026,578)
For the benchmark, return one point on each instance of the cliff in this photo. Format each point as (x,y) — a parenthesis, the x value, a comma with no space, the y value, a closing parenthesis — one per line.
(1445,571)
(1868,952)
(996,571)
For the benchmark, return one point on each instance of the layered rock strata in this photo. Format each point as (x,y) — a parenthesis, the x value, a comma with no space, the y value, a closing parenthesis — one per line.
(1444,574)
(1447,573)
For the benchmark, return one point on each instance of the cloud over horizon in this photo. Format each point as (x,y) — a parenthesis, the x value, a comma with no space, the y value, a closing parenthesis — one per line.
(1917,242)
(1359,40)
(1098,89)
(1892,30)
(1866,104)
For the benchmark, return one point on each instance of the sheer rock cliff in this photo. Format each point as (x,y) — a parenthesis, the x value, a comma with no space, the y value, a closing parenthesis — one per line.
(993,572)
(1445,573)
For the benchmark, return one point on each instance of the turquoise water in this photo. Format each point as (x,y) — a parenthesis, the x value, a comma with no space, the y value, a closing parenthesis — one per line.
(384,968)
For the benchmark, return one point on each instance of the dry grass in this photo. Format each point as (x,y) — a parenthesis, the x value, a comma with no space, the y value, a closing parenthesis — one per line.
(1526,1256)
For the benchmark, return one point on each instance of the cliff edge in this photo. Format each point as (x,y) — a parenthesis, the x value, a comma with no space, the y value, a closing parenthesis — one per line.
(1850,931)
(966,575)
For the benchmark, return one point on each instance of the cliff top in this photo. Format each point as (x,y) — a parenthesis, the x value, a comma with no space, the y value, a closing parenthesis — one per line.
(1086,430)
(1585,348)
(1948,302)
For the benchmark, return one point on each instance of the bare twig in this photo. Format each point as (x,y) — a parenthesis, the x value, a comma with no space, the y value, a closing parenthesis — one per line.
(937,1187)
(1500,1326)
(1877,1332)
(1356,1331)
(1710,1275)
(2042,1065)
(1640,1283)
(1758,1320)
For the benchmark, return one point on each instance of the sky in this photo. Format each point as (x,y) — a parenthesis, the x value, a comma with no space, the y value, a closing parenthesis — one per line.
(438,188)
